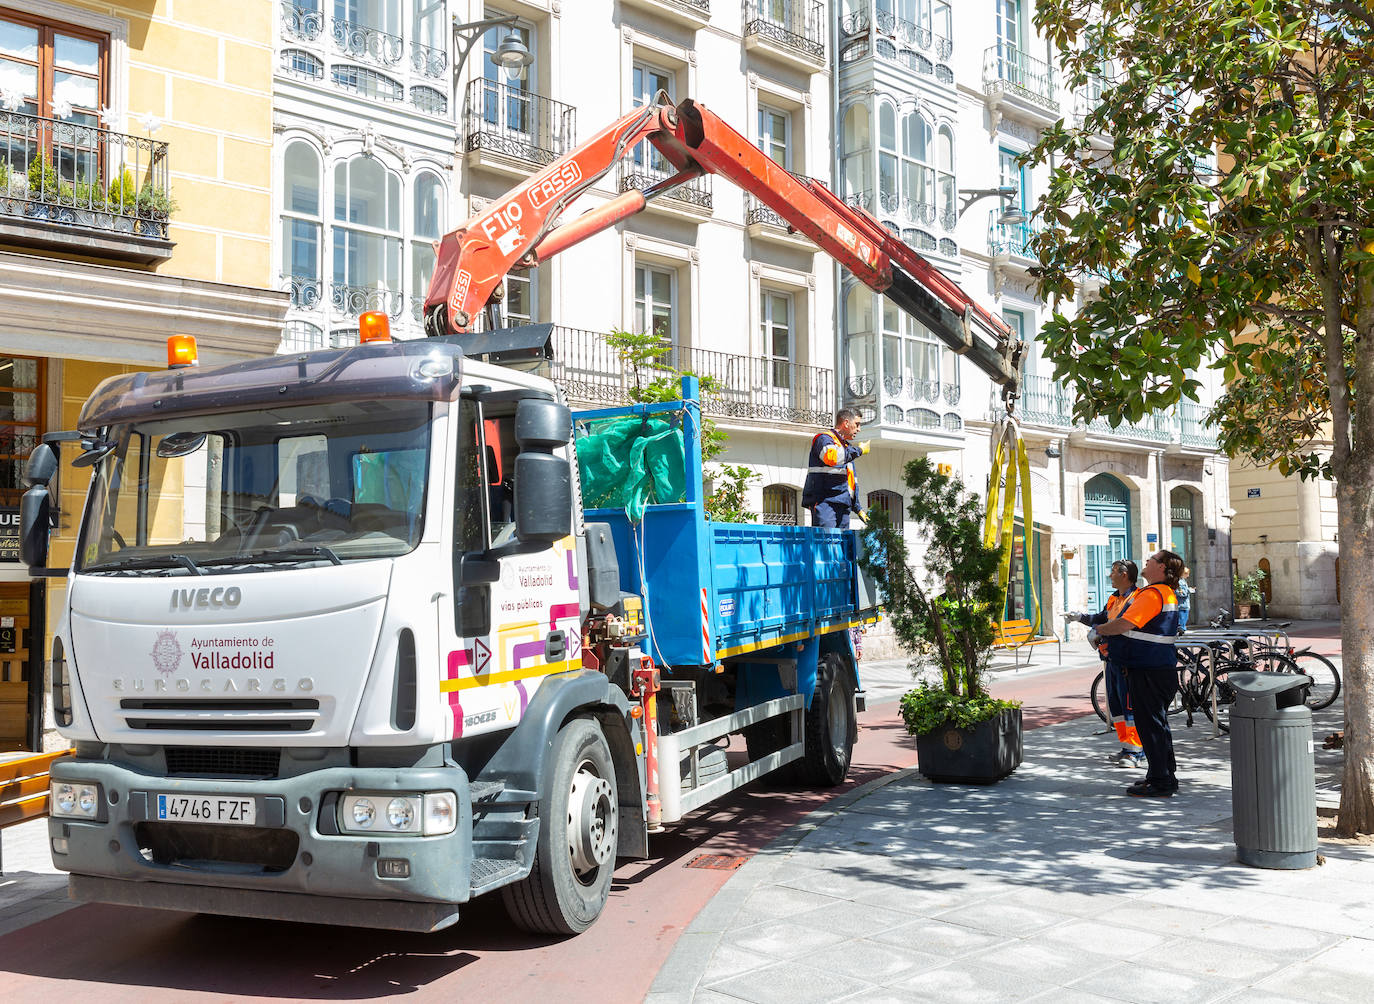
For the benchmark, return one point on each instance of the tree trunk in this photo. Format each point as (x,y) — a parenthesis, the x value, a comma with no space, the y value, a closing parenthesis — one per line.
(1355,513)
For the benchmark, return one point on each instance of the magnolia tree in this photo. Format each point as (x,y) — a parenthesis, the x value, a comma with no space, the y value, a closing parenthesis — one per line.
(1229,217)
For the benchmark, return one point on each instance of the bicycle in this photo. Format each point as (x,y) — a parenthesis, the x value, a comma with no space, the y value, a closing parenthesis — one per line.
(1325,677)
(1196,680)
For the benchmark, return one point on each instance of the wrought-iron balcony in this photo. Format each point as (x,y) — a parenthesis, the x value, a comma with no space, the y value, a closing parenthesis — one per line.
(1194,431)
(301,22)
(1042,401)
(590,371)
(691,198)
(1014,80)
(1015,240)
(792,29)
(909,210)
(904,402)
(79,188)
(1156,428)
(427,60)
(507,122)
(366,42)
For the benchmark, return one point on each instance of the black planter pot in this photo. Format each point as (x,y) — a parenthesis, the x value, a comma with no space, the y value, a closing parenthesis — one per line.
(983,754)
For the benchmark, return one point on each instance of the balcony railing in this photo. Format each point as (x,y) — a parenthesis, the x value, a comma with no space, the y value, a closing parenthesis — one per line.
(1006,68)
(1014,239)
(506,120)
(796,24)
(301,23)
(1156,428)
(767,390)
(1193,428)
(65,173)
(1045,401)
(427,60)
(364,42)
(646,174)
(756,212)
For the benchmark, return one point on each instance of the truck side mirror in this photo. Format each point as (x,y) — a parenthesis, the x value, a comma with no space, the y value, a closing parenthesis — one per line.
(543,481)
(42,465)
(35,520)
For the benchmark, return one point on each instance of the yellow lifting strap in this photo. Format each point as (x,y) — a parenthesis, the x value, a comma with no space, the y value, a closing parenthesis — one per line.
(1010,465)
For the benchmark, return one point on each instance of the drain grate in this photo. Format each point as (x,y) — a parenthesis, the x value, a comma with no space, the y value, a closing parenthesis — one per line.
(719,862)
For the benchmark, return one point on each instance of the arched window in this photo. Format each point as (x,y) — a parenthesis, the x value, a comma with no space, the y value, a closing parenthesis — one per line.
(300,63)
(366,237)
(918,181)
(911,356)
(300,222)
(368,83)
(888,503)
(427,227)
(889,190)
(429,100)
(947,192)
(302,336)
(780,505)
(857,152)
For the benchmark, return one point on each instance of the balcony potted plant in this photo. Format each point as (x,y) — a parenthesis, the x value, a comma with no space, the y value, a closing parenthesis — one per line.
(121,200)
(50,198)
(963,734)
(1247,591)
(153,208)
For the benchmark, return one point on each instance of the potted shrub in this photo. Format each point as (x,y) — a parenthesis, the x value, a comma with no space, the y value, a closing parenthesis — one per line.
(1247,591)
(46,189)
(153,207)
(121,200)
(947,617)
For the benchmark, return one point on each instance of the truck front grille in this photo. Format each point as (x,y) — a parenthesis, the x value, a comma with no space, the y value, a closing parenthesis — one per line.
(214,761)
(300,714)
(252,848)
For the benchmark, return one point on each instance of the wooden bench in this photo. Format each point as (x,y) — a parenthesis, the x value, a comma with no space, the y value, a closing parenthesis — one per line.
(1016,635)
(24,789)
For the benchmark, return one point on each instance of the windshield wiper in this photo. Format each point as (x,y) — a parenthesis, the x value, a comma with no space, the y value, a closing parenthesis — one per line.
(149,561)
(276,554)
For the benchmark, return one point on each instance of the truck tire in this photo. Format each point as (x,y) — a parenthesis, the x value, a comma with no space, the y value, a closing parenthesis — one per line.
(830,725)
(578,818)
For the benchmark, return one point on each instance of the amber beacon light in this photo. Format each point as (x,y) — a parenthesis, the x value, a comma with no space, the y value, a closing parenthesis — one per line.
(373,326)
(181,352)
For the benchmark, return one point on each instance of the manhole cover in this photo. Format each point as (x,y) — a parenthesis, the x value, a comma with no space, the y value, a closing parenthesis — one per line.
(720,862)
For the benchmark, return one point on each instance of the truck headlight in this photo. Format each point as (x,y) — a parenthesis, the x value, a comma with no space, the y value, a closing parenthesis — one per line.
(430,814)
(78,800)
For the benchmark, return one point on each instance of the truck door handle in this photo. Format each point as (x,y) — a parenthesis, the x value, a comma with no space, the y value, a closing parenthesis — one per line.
(555,645)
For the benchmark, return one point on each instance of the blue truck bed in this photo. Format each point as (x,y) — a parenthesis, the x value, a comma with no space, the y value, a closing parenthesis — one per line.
(718,590)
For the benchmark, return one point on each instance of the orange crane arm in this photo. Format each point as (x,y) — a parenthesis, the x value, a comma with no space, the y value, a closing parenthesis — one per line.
(516,231)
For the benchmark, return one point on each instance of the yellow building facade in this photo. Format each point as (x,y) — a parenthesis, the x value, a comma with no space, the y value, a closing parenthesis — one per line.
(135,203)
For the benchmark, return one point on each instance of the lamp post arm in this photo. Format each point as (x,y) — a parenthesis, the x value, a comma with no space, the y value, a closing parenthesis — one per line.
(476,29)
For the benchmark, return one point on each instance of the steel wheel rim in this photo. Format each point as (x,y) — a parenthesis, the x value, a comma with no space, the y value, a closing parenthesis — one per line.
(838,722)
(592,823)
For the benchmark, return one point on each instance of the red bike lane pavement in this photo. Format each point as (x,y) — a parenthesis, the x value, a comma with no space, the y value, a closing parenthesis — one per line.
(120,953)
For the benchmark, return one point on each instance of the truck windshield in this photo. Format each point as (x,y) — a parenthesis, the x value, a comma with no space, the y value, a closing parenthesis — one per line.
(257,489)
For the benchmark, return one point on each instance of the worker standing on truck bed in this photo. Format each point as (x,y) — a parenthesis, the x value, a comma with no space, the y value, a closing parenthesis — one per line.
(831,491)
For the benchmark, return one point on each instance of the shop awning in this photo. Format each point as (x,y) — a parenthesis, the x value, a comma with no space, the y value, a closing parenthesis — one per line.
(1067,530)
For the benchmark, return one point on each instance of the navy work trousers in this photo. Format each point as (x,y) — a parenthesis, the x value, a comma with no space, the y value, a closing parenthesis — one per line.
(1151,691)
(832,514)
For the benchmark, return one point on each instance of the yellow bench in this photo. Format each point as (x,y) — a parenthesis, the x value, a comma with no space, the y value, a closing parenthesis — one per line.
(24,789)
(1016,635)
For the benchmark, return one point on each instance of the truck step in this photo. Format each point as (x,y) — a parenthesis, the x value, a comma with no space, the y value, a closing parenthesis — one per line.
(482,790)
(491,873)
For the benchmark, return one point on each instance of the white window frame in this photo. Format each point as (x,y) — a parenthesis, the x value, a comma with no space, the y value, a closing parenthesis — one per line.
(646,305)
(778,367)
(340,227)
(646,155)
(768,141)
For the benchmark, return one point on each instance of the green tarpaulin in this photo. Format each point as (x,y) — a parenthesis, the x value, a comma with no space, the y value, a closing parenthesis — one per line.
(628,463)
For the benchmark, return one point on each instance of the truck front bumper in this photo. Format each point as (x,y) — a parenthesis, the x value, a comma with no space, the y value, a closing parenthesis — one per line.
(292,864)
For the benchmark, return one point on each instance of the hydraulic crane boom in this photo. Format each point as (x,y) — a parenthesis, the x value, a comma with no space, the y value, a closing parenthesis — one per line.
(516,231)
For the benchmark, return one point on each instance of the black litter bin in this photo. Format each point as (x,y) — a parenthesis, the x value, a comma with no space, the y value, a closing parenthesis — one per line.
(1273,780)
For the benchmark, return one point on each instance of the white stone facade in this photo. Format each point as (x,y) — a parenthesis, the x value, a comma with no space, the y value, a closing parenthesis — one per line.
(816,84)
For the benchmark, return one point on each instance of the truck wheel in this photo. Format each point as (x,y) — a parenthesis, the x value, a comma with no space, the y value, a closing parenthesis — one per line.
(830,725)
(578,828)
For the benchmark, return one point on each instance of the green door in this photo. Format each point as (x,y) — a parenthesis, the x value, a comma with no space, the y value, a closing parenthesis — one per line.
(1106,502)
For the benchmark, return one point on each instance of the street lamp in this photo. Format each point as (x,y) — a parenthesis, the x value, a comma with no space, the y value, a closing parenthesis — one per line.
(511,55)
(1012,214)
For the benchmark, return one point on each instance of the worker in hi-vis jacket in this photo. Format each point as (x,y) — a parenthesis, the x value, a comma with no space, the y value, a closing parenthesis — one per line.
(831,491)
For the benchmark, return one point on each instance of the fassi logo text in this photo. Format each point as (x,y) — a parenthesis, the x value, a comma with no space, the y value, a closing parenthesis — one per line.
(555,184)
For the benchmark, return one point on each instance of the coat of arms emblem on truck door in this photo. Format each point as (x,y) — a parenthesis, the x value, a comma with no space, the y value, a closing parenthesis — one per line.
(166,652)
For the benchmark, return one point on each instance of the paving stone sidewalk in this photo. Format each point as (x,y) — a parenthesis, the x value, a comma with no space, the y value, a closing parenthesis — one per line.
(1049,885)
